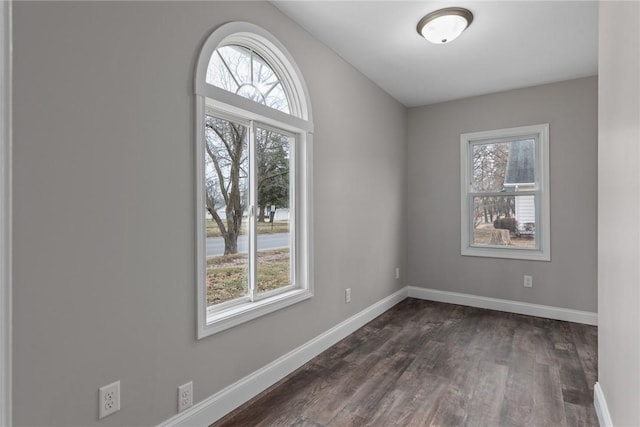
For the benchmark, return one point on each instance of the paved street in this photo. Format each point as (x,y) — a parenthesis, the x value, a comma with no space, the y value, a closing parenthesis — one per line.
(215,245)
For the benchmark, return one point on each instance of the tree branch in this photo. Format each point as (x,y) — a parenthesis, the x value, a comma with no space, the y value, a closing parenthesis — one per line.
(216,165)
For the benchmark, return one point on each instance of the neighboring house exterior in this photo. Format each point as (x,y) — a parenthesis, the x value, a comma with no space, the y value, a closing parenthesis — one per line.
(282,214)
(520,176)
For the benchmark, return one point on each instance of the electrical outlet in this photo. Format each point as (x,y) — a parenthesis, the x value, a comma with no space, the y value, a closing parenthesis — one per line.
(347,295)
(185,396)
(528,282)
(397,272)
(109,399)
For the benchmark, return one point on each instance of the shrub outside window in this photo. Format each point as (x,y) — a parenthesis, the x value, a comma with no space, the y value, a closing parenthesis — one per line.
(505,193)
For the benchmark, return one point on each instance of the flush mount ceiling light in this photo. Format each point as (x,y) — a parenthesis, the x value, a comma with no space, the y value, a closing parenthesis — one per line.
(444,25)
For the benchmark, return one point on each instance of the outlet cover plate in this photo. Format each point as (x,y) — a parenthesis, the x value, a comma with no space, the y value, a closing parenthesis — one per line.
(109,399)
(185,396)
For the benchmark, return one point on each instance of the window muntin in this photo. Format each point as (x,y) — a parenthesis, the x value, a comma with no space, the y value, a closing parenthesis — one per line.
(242,71)
(272,168)
(505,196)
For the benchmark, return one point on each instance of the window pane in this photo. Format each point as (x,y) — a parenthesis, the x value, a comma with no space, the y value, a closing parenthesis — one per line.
(503,166)
(273,163)
(241,71)
(504,221)
(226,199)
(219,74)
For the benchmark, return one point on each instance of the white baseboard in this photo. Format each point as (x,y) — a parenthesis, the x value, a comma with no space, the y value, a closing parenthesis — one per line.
(602,410)
(220,404)
(545,311)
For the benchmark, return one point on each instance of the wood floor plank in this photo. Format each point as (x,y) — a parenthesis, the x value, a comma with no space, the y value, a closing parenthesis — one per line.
(367,342)
(485,400)
(518,404)
(547,392)
(381,380)
(324,408)
(304,422)
(425,363)
(421,409)
(388,409)
(585,339)
(346,418)
(578,416)
(452,408)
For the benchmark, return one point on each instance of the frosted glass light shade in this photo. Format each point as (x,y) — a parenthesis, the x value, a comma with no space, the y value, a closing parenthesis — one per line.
(444,25)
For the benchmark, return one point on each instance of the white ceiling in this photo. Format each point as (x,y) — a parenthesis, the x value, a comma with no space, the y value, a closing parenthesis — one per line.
(510,44)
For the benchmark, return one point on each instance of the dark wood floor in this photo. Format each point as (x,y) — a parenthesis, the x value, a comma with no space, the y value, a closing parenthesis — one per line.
(424,363)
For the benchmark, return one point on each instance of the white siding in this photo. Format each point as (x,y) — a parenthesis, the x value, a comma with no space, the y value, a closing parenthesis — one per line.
(525,209)
(282,214)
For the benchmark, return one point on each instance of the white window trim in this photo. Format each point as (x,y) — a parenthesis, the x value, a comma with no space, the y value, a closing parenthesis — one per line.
(211,320)
(5,215)
(543,224)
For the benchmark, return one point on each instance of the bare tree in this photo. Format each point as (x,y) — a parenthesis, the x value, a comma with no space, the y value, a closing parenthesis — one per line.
(272,170)
(226,180)
(489,168)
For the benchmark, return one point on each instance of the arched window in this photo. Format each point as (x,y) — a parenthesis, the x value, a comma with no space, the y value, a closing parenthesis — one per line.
(253,154)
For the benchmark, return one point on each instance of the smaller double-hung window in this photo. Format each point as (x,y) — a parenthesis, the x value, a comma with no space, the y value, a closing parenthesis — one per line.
(505,193)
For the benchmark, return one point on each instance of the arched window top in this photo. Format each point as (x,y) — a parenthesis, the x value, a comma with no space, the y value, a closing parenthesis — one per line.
(242,71)
(242,67)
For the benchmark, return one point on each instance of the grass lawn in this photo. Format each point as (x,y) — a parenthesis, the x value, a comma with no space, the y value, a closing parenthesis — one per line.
(263,228)
(227,274)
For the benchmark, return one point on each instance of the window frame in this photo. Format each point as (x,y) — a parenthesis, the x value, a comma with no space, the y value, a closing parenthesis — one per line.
(298,126)
(542,252)
(6,144)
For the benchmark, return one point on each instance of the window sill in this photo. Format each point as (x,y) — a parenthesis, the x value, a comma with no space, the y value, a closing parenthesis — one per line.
(220,320)
(508,253)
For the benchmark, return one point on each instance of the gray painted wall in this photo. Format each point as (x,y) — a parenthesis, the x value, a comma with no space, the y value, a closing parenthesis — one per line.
(104,282)
(619,186)
(569,280)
